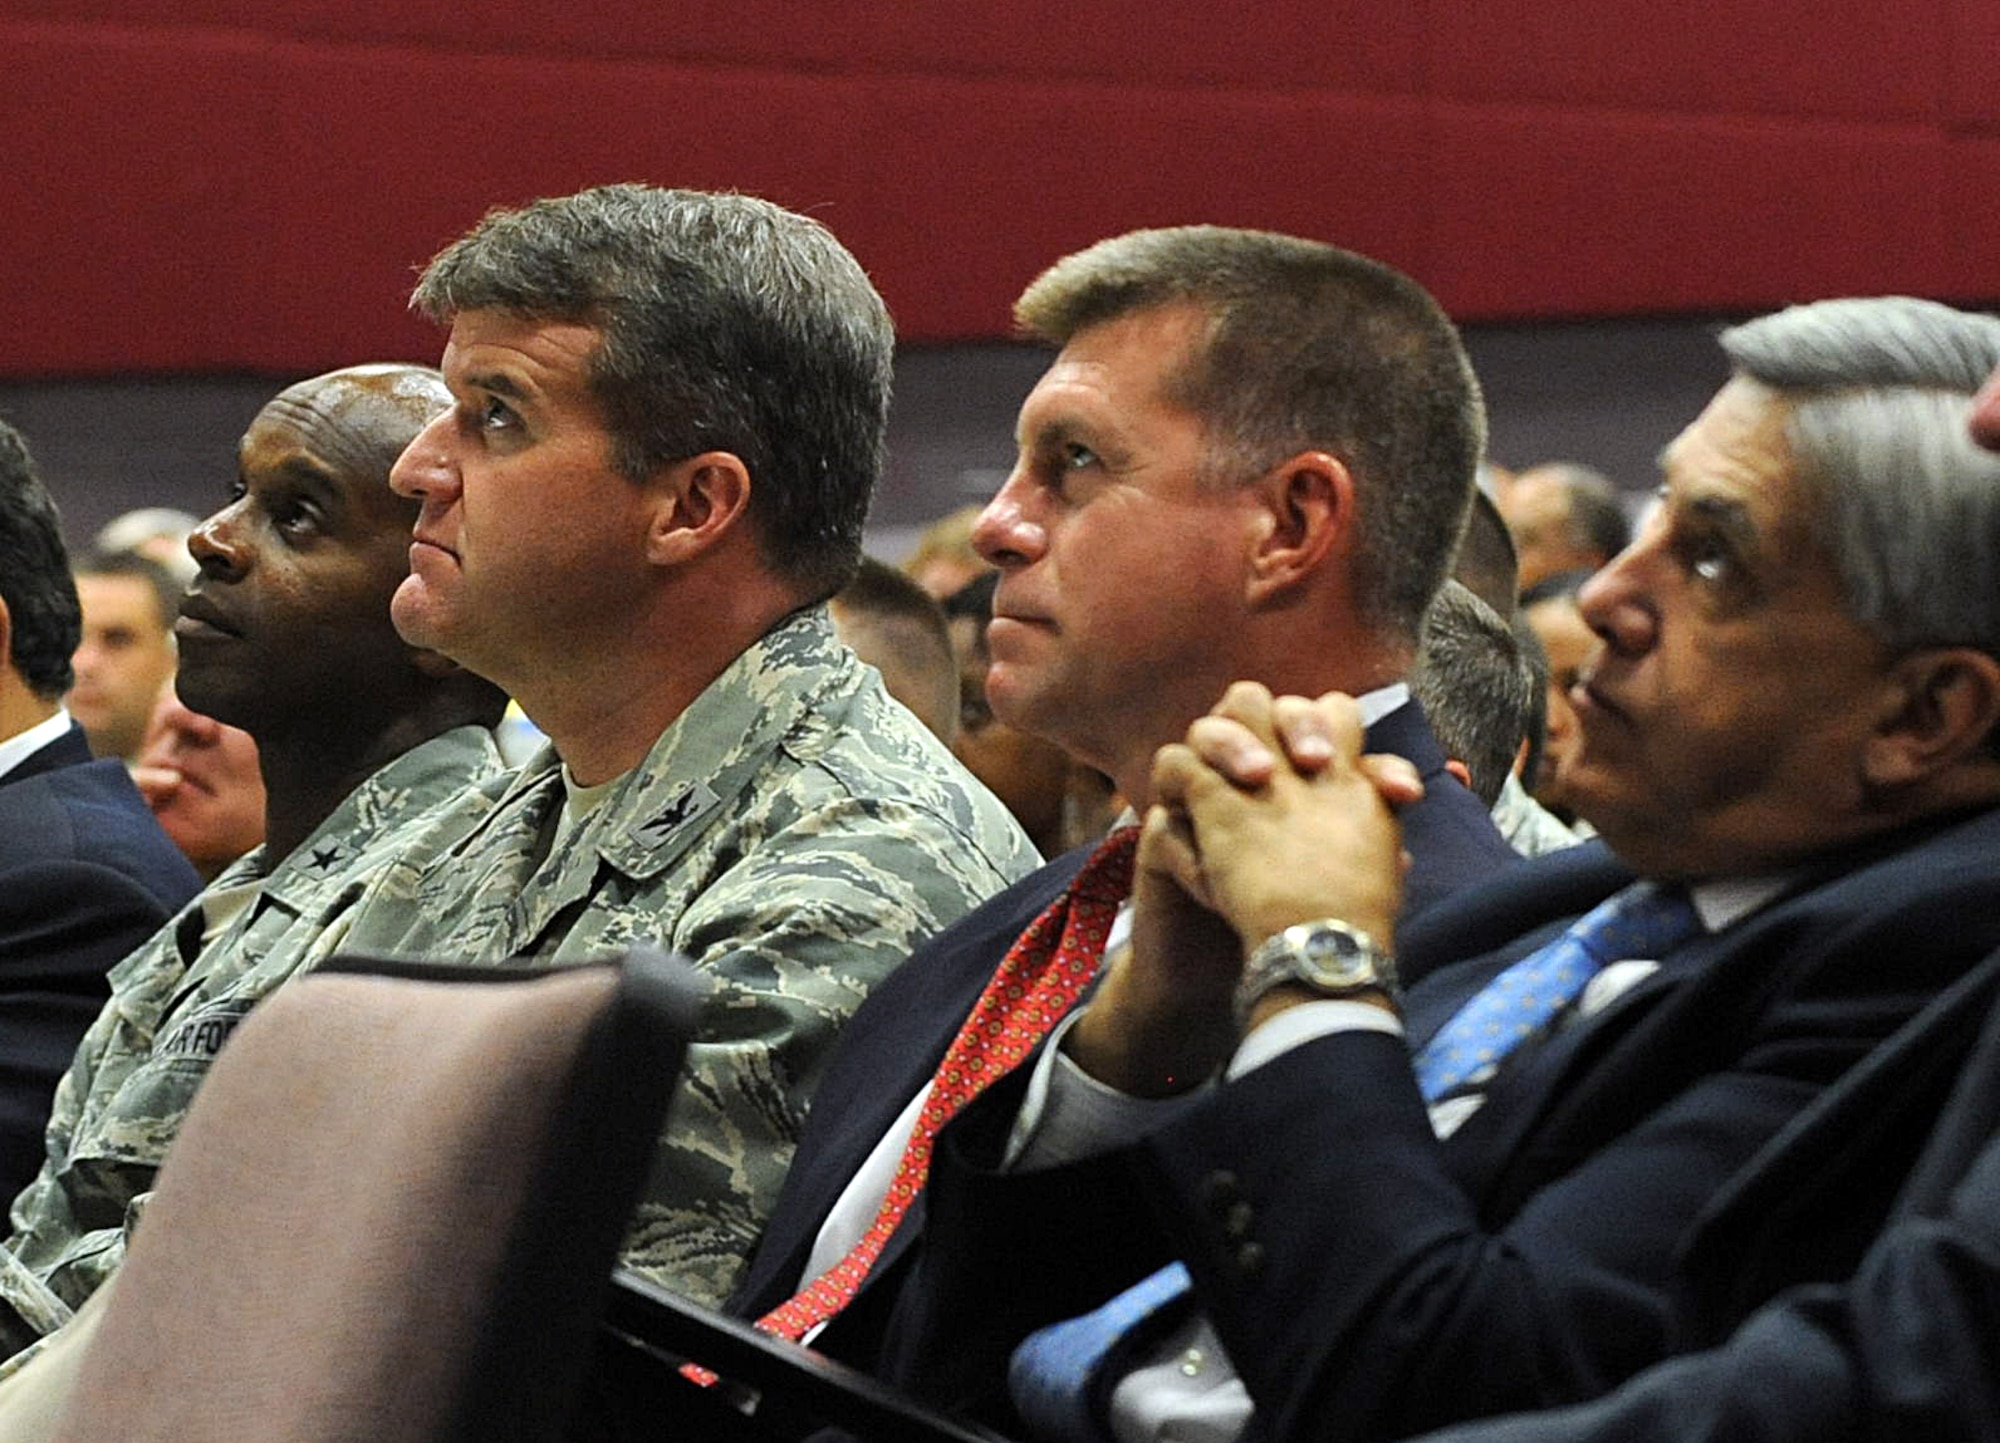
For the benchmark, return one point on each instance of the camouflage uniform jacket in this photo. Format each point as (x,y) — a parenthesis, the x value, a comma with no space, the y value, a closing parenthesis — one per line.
(173,1001)
(795,833)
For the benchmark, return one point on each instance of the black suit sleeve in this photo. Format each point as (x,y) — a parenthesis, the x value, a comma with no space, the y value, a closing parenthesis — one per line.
(1051,1243)
(53,961)
(1356,1285)
(1904,1351)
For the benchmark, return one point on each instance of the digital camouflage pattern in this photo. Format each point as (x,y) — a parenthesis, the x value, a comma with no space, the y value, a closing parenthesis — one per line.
(174,1001)
(794,833)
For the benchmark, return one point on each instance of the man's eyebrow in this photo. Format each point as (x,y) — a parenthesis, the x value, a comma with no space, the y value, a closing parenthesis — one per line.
(1045,434)
(1729,516)
(1065,427)
(498,382)
(306,471)
(311,476)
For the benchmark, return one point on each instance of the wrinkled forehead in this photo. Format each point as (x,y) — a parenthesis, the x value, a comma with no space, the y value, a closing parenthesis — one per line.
(356,421)
(393,396)
(1739,450)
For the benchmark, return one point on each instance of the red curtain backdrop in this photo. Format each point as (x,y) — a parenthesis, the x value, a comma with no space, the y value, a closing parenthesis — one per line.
(221,184)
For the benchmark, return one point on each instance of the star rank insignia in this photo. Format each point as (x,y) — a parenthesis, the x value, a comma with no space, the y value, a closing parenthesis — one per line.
(691,801)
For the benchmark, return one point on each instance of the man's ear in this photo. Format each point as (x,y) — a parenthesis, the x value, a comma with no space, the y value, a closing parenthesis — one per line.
(1942,705)
(695,503)
(1308,512)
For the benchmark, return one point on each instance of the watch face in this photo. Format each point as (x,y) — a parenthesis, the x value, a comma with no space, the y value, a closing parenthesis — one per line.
(1327,956)
(1334,958)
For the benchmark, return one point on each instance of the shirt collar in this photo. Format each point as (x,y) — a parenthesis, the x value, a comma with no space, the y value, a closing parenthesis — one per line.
(22,745)
(1721,903)
(1380,702)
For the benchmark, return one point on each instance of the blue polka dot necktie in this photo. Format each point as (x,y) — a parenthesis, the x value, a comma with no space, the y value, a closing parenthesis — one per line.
(1645,920)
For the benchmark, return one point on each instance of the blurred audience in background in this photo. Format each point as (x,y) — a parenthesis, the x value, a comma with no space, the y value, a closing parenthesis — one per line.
(1550,609)
(1564,517)
(1477,689)
(126,657)
(943,559)
(895,626)
(201,779)
(158,533)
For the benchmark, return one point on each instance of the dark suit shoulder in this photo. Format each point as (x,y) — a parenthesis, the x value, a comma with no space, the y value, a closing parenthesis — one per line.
(86,875)
(90,812)
(1506,904)
(1448,832)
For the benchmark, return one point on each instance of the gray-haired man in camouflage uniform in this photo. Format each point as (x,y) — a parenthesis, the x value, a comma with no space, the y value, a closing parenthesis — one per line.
(286,634)
(669,413)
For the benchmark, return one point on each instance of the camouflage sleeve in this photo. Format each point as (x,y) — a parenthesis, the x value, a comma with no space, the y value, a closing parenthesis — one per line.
(794,934)
(32,1311)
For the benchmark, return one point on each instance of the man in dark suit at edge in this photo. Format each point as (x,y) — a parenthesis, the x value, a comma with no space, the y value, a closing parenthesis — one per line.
(1904,1348)
(86,874)
(1788,733)
(1253,456)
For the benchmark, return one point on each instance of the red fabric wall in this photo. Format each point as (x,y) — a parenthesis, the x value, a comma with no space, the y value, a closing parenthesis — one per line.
(224,184)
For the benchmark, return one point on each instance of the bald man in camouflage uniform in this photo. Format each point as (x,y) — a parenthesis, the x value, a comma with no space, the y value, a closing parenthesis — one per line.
(286,634)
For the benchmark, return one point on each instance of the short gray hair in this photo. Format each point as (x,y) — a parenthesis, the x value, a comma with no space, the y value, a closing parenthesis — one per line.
(1909,507)
(1477,687)
(729,324)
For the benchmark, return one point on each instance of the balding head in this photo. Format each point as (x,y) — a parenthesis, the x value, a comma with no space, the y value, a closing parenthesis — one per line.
(366,415)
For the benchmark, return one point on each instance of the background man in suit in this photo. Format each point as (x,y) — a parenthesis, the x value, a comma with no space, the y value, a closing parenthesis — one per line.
(1788,730)
(1251,456)
(85,872)
(126,657)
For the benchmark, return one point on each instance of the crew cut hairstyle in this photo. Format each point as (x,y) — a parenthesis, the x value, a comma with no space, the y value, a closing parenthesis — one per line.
(1309,347)
(1907,505)
(729,324)
(1476,686)
(45,622)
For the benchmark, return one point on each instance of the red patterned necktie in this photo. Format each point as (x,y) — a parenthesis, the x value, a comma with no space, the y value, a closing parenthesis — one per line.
(1034,987)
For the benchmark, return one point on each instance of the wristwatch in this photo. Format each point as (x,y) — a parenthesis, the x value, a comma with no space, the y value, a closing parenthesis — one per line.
(1328,956)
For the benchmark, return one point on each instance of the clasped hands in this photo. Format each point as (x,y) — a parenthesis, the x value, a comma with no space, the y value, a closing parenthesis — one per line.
(1267,814)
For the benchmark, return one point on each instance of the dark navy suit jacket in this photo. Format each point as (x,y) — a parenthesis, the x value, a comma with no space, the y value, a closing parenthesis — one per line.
(1369,1281)
(896,1039)
(86,875)
(1903,1349)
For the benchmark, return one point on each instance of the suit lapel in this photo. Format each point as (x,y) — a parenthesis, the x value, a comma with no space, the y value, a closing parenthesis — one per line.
(1829,1174)
(1547,1109)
